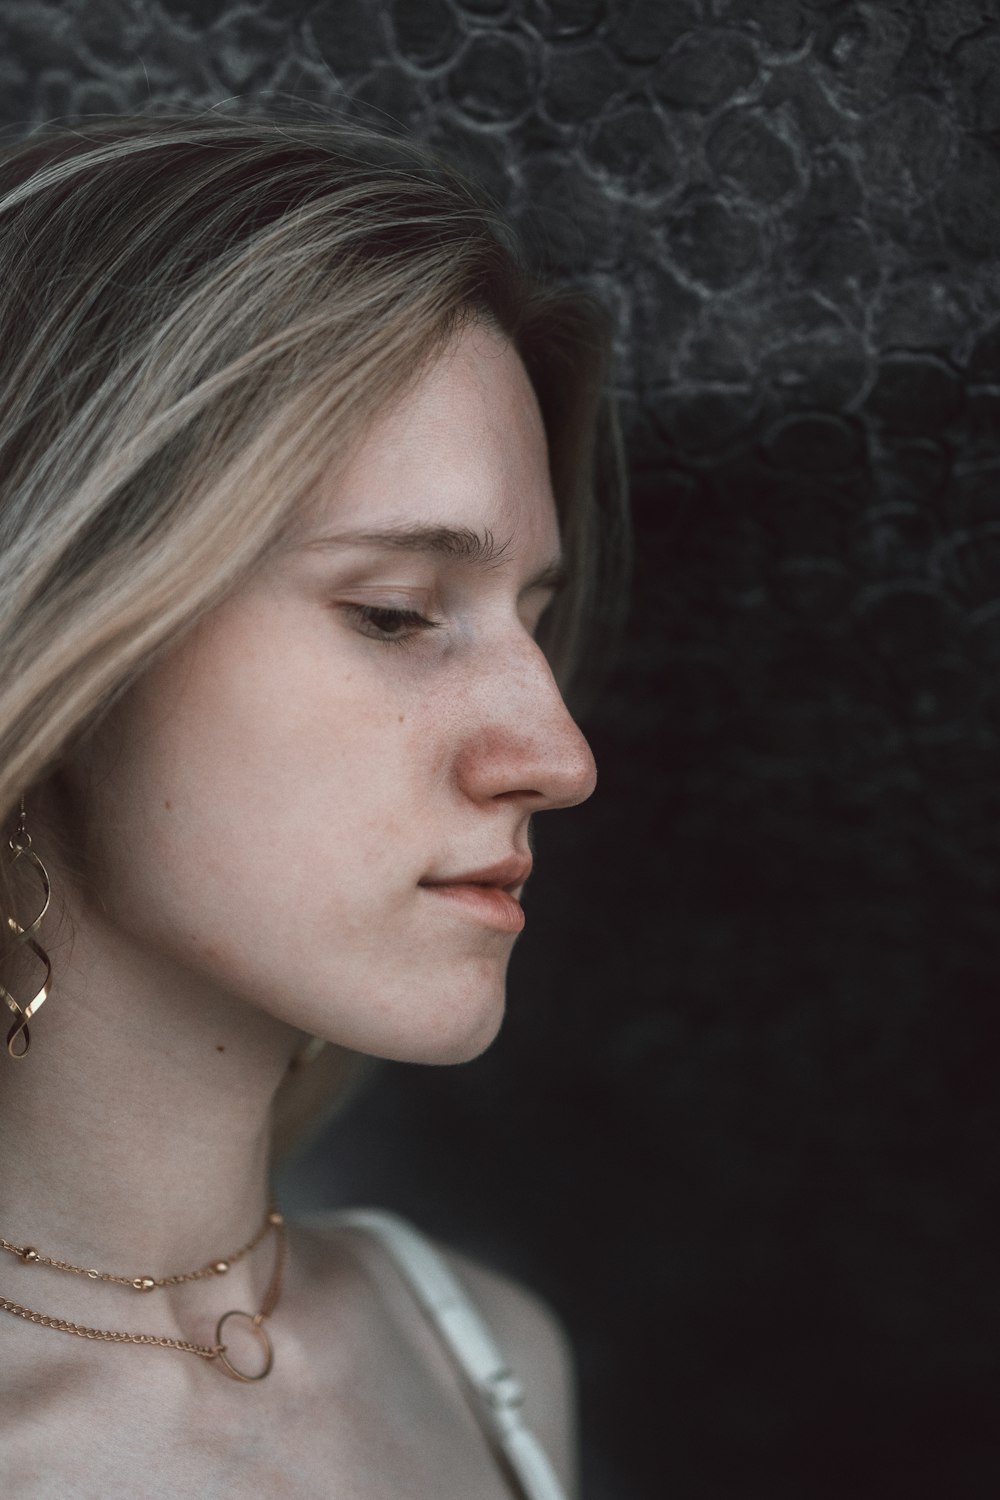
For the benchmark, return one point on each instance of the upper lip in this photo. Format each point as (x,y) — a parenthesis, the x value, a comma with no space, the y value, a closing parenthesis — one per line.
(507,875)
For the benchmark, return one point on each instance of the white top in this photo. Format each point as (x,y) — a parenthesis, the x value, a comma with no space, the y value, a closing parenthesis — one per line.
(496,1391)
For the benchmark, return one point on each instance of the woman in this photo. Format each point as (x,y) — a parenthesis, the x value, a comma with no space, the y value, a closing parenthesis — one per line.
(298,520)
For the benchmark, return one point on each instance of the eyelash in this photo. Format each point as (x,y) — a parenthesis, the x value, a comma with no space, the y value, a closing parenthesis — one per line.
(369,615)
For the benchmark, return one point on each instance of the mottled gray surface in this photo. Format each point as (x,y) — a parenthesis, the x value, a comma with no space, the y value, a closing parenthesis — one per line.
(741,1126)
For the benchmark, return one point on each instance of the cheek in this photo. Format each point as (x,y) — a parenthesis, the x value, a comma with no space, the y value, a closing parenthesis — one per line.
(260,831)
(252,803)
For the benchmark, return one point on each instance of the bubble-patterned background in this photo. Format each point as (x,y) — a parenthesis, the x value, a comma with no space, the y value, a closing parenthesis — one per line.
(741,1125)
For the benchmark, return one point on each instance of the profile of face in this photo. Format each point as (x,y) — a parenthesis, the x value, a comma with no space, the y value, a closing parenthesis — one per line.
(279,811)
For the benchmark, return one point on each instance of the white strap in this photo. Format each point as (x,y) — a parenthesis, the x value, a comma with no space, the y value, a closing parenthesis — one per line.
(500,1393)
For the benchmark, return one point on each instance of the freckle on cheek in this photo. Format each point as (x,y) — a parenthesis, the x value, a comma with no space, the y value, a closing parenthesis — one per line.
(402,717)
(218,1048)
(168,804)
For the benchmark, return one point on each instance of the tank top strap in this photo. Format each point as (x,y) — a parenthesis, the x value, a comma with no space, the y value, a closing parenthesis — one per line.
(497,1392)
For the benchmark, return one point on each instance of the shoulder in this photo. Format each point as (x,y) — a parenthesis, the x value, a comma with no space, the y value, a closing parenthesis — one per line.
(529,1334)
(538,1348)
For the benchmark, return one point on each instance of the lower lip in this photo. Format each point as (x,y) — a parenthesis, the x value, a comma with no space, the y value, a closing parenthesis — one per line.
(492,906)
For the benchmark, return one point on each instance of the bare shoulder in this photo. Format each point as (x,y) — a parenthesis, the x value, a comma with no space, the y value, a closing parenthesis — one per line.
(527,1330)
(538,1348)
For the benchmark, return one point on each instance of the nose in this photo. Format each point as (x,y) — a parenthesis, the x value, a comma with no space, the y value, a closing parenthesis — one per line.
(523,743)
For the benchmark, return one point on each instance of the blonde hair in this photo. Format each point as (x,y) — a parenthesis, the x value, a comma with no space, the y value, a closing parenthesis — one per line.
(197,315)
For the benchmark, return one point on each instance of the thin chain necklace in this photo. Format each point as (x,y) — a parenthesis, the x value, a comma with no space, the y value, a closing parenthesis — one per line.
(30,1256)
(217,1351)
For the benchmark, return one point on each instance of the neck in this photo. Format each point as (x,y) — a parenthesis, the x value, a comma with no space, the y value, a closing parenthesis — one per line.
(134,1136)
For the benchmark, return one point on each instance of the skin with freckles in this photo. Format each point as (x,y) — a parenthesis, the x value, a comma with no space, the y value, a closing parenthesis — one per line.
(265,804)
(261,821)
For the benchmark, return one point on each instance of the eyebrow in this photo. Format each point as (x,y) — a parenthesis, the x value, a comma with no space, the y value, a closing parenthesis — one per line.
(459,543)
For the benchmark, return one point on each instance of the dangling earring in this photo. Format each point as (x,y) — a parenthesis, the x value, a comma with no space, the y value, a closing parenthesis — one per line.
(18,1037)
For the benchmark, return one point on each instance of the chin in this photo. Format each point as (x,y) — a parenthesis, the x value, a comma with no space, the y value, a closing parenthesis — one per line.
(452,1018)
(464,1038)
(466,1048)
(455,1033)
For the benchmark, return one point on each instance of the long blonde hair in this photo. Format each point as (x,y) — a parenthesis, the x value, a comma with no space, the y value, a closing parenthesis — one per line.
(197,315)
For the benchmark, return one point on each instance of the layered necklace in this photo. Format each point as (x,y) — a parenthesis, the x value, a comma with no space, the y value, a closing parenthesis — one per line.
(29,1256)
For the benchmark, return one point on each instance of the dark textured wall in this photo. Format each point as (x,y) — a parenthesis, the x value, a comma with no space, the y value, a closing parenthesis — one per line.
(741,1125)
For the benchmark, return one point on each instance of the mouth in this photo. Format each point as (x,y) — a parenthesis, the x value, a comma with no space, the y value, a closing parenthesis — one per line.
(489,895)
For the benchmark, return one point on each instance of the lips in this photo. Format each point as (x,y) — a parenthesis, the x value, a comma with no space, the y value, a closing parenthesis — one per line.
(507,875)
(487,894)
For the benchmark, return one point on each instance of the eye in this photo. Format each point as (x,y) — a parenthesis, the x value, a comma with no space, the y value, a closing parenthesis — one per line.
(393,627)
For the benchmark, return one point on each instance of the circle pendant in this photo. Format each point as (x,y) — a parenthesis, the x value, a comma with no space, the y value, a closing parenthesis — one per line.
(220,1348)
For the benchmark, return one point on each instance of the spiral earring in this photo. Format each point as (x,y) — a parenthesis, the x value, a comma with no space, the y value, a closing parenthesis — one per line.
(20,845)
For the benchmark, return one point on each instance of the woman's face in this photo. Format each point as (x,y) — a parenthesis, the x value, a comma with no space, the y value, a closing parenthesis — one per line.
(270,808)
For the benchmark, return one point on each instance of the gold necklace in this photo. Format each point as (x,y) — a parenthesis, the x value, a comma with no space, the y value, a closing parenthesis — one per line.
(30,1256)
(217,1351)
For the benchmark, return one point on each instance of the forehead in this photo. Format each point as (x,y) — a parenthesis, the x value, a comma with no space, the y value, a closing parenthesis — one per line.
(464,447)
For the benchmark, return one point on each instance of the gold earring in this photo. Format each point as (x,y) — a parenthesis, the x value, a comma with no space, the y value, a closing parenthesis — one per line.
(20,845)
